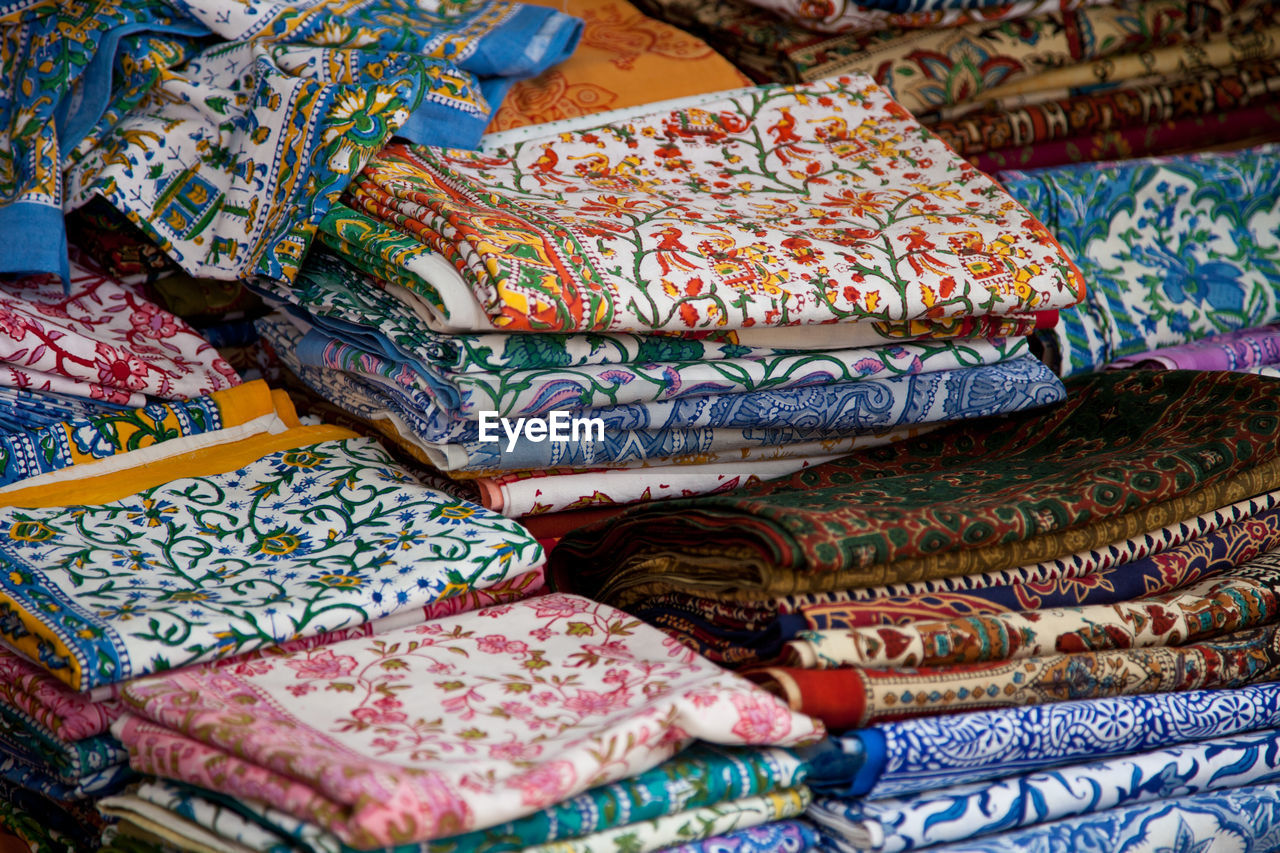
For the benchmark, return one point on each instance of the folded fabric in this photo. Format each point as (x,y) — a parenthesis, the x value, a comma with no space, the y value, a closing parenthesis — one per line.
(375,253)
(604,698)
(922,754)
(66,714)
(102,340)
(694,246)
(1227,130)
(21,409)
(966,811)
(783,836)
(624,58)
(1246,818)
(47,826)
(687,826)
(1207,91)
(835,16)
(300,541)
(317,86)
(1122,444)
(87,440)
(537,492)
(700,777)
(1057,584)
(1203,271)
(69,761)
(530,393)
(1243,597)
(856,696)
(1240,350)
(930,70)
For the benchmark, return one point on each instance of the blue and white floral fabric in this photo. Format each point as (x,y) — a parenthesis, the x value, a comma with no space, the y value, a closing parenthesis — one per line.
(926,753)
(1174,249)
(1241,820)
(962,812)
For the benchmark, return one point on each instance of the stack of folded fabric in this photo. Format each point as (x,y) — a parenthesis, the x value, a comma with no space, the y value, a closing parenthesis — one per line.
(1082,775)
(553,724)
(1175,249)
(224,130)
(1119,547)
(1026,85)
(96,346)
(738,285)
(188,532)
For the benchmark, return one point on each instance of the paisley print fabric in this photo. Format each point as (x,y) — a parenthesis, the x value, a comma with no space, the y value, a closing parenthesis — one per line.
(31,691)
(1205,274)
(966,811)
(100,340)
(1214,553)
(1027,126)
(342,536)
(1244,598)
(1112,448)
(1245,818)
(506,221)
(624,58)
(1242,350)
(930,753)
(834,16)
(605,698)
(856,696)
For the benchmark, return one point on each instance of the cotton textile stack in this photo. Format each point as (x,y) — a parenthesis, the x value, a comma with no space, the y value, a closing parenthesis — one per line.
(1120,544)
(754,278)
(187,532)
(554,723)
(1026,85)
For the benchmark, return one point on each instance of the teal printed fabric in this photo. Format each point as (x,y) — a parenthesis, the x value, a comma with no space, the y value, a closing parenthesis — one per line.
(39,451)
(297,543)
(28,741)
(1174,249)
(927,753)
(230,128)
(1244,819)
(966,811)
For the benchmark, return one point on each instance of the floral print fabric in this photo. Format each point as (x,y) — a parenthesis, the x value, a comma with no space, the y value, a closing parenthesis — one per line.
(929,753)
(102,341)
(1245,818)
(1203,271)
(299,542)
(962,812)
(319,86)
(852,184)
(544,698)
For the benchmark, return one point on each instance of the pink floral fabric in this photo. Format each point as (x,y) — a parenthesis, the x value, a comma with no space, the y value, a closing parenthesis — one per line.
(68,714)
(454,725)
(101,341)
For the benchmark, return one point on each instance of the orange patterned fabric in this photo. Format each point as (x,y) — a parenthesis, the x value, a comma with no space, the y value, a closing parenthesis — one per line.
(625,59)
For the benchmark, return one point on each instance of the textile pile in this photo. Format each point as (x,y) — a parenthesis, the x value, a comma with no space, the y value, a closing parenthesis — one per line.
(663,275)
(484,426)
